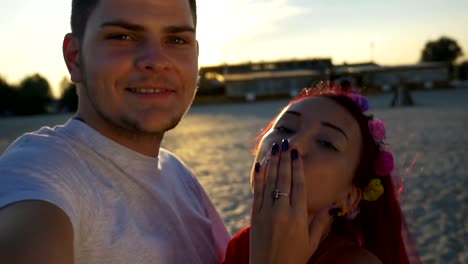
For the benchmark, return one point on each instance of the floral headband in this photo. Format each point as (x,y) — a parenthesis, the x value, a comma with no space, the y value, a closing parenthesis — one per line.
(384,163)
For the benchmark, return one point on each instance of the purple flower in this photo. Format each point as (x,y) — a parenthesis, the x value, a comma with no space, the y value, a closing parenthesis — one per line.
(384,163)
(361,101)
(377,130)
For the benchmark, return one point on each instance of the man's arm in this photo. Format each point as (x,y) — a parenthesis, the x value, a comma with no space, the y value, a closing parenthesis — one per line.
(35,232)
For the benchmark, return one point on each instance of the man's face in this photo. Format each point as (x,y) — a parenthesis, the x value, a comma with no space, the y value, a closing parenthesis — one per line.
(138,66)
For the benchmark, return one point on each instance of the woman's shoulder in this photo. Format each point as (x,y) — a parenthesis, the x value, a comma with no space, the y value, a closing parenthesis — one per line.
(238,248)
(356,254)
(344,251)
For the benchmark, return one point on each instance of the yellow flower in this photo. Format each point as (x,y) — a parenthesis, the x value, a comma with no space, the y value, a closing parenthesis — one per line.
(373,190)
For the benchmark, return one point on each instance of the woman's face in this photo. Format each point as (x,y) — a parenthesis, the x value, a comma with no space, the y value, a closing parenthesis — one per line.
(329,141)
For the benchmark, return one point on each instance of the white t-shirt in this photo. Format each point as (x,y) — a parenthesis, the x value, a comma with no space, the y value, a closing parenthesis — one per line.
(125,207)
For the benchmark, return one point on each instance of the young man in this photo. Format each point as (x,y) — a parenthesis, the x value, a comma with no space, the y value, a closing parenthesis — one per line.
(99,189)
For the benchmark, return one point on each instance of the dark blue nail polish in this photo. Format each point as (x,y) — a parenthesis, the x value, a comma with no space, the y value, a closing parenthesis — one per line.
(284,145)
(274,149)
(294,154)
(334,211)
(257,167)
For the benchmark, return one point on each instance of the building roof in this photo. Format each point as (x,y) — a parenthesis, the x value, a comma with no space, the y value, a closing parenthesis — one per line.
(269,75)
(353,68)
(371,67)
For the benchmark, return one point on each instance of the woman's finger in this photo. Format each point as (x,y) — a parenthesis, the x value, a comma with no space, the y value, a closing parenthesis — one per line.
(298,188)
(283,184)
(258,185)
(271,175)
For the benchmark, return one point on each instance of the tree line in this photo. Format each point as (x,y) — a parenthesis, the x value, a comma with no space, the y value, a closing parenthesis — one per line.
(33,95)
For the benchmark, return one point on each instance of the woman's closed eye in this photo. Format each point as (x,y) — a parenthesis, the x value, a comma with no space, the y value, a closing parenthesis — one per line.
(284,129)
(327,144)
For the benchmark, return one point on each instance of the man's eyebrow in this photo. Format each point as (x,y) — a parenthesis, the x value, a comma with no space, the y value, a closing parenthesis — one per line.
(136,27)
(330,125)
(123,24)
(179,29)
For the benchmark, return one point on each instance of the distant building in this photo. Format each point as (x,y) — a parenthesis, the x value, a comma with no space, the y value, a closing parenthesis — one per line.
(422,75)
(270,83)
(352,74)
(263,79)
(288,77)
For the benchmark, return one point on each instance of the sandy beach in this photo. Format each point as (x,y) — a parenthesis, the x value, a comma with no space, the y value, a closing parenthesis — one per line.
(430,140)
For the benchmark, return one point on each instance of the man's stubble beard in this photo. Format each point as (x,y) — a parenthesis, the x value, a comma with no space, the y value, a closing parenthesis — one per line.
(124,125)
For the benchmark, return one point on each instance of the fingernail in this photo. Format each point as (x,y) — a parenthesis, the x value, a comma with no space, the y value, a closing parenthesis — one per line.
(294,154)
(274,149)
(284,145)
(334,211)
(257,167)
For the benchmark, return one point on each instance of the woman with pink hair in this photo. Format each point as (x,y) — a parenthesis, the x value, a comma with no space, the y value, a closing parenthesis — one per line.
(323,187)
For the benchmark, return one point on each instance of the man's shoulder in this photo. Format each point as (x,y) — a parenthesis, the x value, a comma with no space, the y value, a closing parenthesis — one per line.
(171,164)
(168,158)
(45,138)
(42,166)
(165,154)
(42,147)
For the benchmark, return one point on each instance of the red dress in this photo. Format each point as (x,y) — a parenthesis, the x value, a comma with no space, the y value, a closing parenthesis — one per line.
(238,250)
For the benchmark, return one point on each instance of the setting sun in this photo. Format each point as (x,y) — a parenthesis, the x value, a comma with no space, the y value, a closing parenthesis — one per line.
(237,31)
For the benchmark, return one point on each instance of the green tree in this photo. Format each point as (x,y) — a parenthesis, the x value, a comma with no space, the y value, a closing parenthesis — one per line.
(463,71)
(34,95)
(69,100)
(8,97)
(444,49)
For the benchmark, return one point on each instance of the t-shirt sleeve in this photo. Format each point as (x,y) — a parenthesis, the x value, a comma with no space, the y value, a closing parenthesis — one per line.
(41,170)
(218,229)
(220,234)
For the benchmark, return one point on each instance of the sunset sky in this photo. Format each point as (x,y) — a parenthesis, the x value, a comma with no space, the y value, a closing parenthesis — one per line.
(233,31)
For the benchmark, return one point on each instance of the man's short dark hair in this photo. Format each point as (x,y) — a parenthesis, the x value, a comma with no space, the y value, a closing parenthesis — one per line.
(81,10)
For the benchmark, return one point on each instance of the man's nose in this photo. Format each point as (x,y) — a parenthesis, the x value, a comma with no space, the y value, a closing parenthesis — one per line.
(152,57)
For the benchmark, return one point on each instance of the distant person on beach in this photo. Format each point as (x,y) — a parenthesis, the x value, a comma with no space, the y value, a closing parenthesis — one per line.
(324,187)
(401,96)
(99,189)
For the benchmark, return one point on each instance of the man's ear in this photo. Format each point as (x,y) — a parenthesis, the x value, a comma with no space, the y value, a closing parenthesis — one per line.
(71,55)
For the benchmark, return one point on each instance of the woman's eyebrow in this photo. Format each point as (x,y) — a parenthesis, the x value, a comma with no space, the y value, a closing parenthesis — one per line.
(330,125)
(293,113)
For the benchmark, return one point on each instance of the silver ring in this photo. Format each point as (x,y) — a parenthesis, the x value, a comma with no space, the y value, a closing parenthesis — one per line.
(276,194)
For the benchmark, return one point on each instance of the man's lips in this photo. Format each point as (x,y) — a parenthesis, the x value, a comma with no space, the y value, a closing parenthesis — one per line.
(150,89)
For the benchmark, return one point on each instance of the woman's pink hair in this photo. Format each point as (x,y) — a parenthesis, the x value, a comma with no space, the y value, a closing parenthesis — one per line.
(380,225)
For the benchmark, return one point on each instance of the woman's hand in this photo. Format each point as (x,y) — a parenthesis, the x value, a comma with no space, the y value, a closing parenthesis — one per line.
(280,229)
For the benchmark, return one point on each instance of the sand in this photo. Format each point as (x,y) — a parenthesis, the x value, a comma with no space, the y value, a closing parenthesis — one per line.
(430,140)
